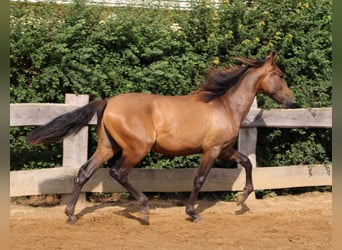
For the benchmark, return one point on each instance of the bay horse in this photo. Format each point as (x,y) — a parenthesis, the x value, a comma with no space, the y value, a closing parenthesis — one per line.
(206,121)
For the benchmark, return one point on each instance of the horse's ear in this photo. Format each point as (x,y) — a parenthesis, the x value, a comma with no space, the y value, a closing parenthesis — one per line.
(273,56)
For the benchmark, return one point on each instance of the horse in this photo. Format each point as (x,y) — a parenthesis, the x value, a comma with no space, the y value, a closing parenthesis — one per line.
(205,122)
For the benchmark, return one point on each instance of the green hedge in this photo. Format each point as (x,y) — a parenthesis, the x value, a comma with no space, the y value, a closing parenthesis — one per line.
(102,51)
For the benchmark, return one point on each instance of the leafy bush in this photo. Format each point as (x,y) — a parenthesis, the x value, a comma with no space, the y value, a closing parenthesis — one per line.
(102,51)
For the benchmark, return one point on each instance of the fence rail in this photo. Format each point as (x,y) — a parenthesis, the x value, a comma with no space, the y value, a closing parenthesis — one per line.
(59,179)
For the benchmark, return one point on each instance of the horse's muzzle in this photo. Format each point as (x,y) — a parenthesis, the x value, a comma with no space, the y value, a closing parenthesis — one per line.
(295,106)
(292,105)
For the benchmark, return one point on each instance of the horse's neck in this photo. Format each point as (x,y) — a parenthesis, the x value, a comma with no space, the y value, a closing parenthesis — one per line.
(240,98)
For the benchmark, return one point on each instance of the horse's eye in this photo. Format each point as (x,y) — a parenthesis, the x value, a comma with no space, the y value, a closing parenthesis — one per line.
(281,75)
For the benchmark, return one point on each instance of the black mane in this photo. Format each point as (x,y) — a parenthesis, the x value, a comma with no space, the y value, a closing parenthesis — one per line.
(219,82)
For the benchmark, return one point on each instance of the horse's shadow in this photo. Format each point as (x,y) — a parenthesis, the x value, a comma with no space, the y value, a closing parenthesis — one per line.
(244,209)
(131,210)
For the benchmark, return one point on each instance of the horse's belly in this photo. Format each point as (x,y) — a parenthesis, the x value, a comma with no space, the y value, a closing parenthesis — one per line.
(176,145)
(174,150)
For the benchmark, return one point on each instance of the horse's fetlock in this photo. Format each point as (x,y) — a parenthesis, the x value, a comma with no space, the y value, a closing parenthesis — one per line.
(249,188)
(143,201)
(69,211)
(190,210)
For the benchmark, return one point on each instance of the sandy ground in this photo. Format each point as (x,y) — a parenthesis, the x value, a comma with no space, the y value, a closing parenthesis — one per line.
(284,222)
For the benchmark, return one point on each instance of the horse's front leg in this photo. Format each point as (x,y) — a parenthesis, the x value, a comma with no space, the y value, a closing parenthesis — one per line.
(207,161)
(232,154)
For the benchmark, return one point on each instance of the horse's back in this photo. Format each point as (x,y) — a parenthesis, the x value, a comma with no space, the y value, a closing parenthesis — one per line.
(146,104)
(153,110)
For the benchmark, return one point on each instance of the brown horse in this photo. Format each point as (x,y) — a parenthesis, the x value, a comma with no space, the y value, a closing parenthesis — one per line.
(206,121)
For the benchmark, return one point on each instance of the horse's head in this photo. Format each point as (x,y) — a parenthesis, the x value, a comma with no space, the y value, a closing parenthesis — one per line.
(272,82)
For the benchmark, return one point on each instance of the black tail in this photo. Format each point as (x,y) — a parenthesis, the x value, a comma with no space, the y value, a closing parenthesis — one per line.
(66,124)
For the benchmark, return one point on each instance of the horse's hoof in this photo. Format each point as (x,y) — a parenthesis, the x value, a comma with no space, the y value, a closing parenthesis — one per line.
(196,218)
(72,220)
(145,218)
(145,222)
(240,199)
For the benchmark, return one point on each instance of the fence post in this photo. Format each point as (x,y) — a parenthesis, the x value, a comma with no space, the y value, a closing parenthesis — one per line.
(75,148)
(247,143)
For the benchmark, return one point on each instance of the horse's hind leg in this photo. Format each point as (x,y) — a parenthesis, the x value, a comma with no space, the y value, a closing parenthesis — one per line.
(84,174)
(120,173)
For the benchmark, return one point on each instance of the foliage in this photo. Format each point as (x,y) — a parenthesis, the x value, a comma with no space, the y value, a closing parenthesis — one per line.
(102,51)
(24,156)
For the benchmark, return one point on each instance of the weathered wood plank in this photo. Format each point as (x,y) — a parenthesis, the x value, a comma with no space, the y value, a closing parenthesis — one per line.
(75,148)
(289,118)
(59,180)
(292,176)
(27,114)
(38,114)
(41,181)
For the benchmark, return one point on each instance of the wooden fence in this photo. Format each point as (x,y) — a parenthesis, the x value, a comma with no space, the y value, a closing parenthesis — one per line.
(59,180)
